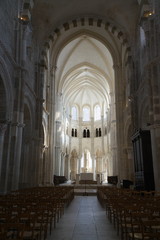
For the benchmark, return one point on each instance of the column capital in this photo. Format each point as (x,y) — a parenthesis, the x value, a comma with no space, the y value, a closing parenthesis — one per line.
(116,66)
(21,125)
(3,128)
(58,122)
(53,69)
(44,148)
(53,72)
(16,124)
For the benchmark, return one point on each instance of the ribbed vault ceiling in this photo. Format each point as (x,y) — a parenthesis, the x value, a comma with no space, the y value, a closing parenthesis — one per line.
(84,66)
(85,73)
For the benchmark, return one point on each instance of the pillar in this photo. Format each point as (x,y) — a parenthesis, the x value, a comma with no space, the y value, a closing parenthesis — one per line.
(92,149)
(16,145)
(3,128)
(117,121)
(80,143)
(155,141)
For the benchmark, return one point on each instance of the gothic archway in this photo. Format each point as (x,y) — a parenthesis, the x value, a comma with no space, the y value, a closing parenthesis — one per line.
(59,48)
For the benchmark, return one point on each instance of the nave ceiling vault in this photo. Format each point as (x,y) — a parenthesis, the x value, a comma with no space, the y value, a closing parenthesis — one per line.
(85,70)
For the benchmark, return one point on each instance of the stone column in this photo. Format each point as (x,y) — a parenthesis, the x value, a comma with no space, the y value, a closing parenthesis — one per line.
(42,170)
(66,172)
(39,141)
(155,141)
(62,164)
(57,149)
(70,148)
(79,164)
(58,131)
(18,111)
(94,166)
(130,163)
(51,128)
(80,143)
(113,135)
(3,128)
(102,131)
(17,130)
(92,149)
(117,121)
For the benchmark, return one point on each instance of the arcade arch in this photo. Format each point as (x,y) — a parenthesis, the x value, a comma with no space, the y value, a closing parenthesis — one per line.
(85,68)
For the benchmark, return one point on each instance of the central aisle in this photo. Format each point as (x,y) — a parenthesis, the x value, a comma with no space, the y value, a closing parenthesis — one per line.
(84,219)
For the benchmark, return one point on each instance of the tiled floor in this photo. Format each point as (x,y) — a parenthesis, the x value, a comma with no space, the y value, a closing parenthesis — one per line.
(84,219)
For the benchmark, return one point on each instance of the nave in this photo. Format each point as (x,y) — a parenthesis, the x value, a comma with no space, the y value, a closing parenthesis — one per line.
(84,219)
(55,213)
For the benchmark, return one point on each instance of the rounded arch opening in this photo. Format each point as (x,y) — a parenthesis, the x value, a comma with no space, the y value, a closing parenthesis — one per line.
(84,62)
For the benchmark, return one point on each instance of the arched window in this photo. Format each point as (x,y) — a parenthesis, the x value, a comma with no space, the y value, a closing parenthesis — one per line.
(74,132)
(97,113)
(97,132)
(86,133)
(86,114)
(74,113)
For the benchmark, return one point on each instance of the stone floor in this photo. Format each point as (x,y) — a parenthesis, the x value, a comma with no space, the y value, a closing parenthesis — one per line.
(88,192)
(84,219)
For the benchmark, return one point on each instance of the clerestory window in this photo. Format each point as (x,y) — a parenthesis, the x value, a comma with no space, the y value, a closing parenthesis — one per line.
(97,113)
(86,114)
(74,113)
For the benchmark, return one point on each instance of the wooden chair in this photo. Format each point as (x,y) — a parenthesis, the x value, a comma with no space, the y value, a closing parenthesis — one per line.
(143,227)
(14,231)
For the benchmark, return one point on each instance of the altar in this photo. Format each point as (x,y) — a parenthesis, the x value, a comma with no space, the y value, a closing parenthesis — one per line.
(86,176)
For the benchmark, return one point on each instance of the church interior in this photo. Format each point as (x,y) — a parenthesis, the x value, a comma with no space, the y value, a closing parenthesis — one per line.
(79,99)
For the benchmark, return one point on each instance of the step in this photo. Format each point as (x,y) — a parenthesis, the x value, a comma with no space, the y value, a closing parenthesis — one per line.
(85,192)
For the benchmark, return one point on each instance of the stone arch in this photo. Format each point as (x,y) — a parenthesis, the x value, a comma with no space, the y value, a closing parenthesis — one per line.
(85,22)
(111,36)
(60,45)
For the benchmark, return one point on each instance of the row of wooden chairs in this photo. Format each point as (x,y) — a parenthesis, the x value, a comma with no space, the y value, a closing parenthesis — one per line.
(135,214)
(29,214)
